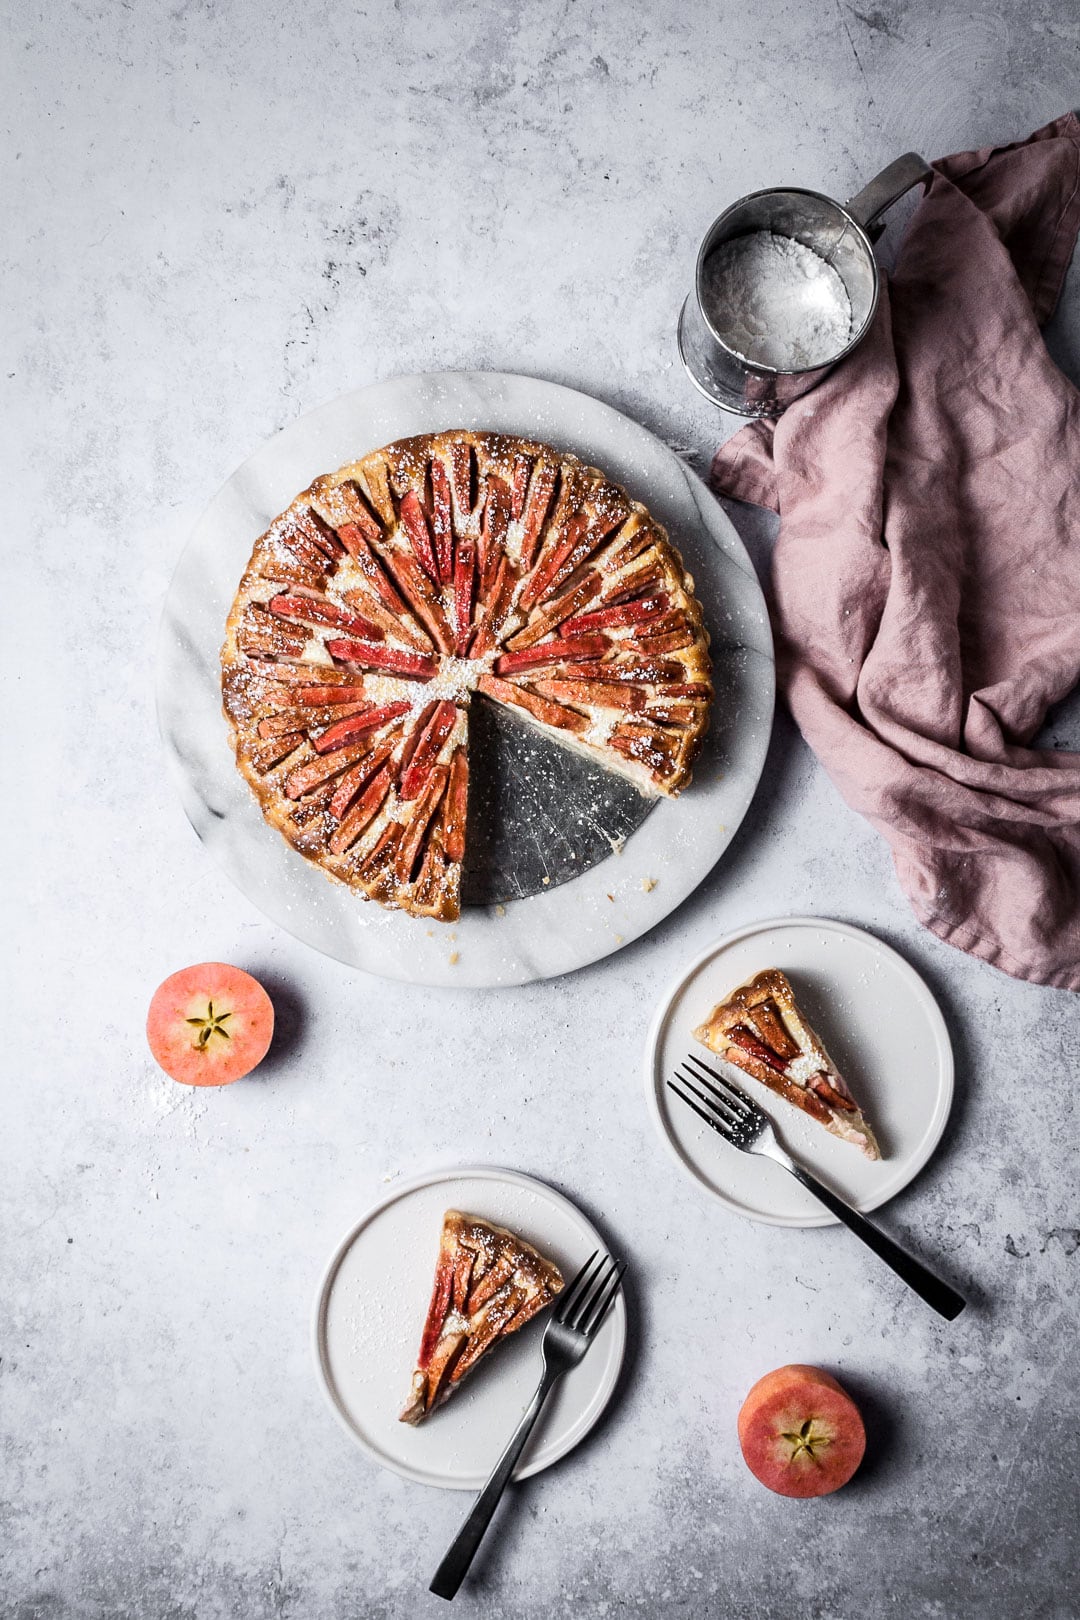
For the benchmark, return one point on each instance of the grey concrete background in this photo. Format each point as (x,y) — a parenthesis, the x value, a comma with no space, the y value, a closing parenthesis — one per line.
(216,217)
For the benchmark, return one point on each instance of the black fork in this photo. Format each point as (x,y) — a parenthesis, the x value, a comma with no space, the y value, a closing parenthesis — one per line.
(580,1310)
(737,1118)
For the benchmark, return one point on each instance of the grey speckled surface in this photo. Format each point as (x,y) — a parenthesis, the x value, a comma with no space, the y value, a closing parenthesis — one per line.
(217,217)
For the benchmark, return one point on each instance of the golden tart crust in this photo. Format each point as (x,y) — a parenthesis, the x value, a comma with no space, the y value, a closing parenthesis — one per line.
(391,591)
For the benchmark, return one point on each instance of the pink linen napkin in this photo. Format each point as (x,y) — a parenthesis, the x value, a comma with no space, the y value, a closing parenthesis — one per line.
(926,578)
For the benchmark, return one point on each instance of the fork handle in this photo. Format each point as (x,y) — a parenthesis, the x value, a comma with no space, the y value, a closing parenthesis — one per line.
(945,1300)
(454,1567)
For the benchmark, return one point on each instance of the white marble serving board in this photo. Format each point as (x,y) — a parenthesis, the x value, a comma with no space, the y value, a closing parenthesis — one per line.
(581,920)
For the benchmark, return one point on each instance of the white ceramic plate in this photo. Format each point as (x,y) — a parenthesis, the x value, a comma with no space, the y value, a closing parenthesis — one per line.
(882,1028)
(570,925)
(370,1312)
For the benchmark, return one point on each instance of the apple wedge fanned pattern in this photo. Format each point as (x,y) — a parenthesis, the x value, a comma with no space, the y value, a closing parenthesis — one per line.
(488,1284)
(391,591)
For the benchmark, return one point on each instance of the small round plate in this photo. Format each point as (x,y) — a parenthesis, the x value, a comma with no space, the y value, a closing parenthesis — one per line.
(370,1313)
(883,1030)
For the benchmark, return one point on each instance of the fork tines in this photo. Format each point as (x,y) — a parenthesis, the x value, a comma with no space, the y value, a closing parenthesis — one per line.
(721,1104)
(585,1303)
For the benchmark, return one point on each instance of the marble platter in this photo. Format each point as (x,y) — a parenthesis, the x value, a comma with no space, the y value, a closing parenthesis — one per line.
(589,906)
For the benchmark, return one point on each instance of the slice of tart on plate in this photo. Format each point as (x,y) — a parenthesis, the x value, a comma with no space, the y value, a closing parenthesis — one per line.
(760,1029)
(488,1283)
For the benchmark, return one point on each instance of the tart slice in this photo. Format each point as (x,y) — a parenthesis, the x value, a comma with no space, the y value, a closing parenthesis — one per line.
(488,1283)
(760,1029)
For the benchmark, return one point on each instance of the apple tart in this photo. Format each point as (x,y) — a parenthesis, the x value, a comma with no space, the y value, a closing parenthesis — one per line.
(761,1030)
(488,1284)
(392,591)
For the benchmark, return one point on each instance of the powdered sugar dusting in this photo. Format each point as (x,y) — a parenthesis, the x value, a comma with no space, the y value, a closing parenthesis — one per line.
(776,302)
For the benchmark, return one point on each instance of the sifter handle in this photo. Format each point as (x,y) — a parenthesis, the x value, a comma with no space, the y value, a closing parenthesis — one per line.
(888,187)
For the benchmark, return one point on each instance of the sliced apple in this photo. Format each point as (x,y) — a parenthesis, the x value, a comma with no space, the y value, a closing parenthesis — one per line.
(373,655)
(801,1433)
(552,652)
(210,1024)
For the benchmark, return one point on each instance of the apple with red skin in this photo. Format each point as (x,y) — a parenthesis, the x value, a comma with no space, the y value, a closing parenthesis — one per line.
(801,1434)
(210,1024)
